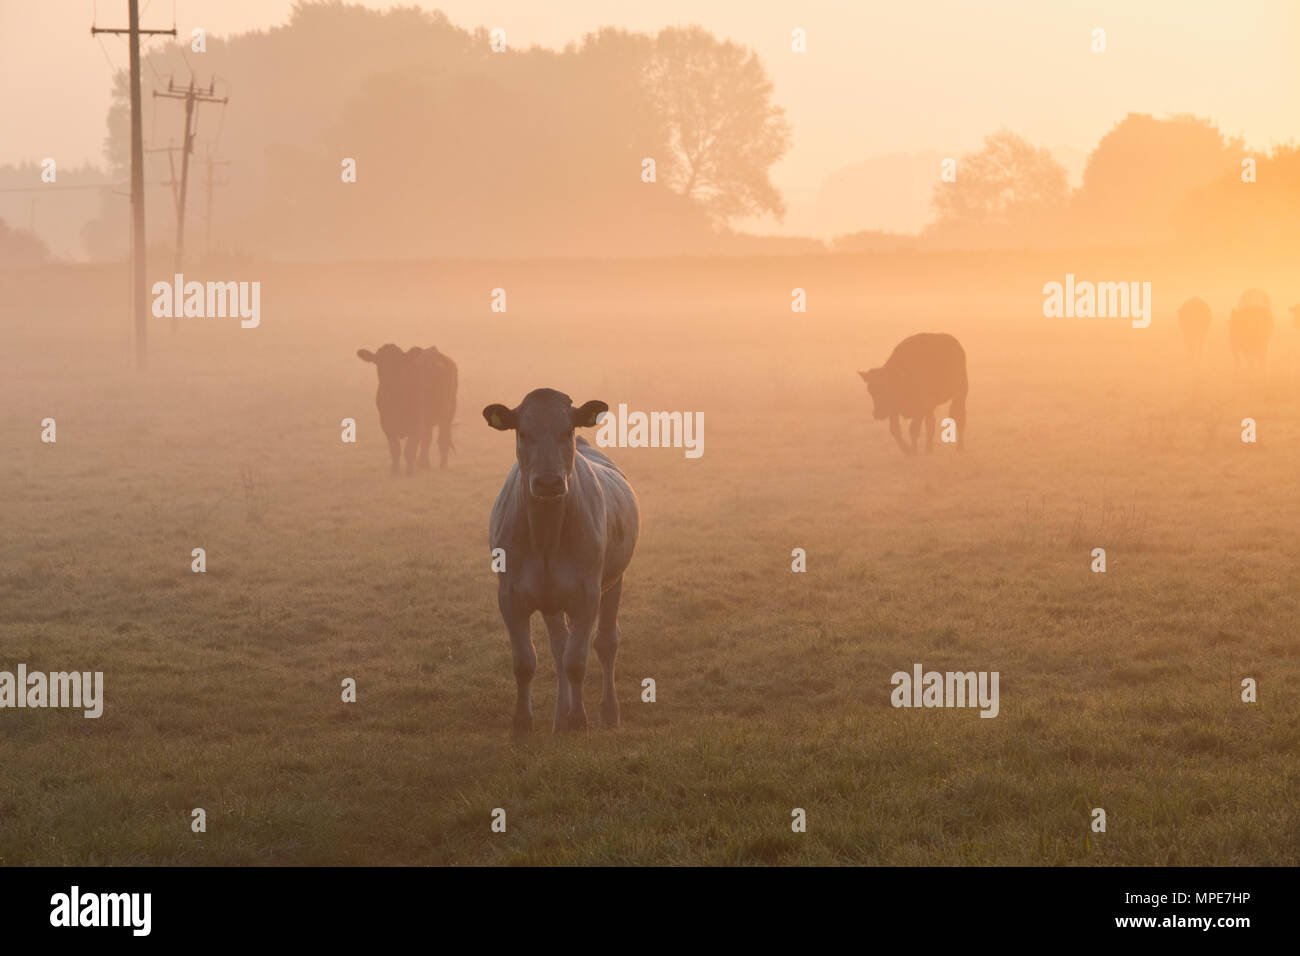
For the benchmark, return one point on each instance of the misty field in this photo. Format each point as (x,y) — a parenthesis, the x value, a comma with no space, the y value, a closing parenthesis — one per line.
(1119,690)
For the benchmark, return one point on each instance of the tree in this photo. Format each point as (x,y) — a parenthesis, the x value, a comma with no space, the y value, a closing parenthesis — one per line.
(723,131)
(1143,170)
(1009,183)
(21,246)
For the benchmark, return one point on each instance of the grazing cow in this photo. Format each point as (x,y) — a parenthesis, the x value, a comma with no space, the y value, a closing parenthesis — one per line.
(923,371)
(1249,328)
(567,522)
(1194,320)
(411,398)
(437,384)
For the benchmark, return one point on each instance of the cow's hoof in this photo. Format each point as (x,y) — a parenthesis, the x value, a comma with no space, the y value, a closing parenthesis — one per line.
(577,722)
(523,724)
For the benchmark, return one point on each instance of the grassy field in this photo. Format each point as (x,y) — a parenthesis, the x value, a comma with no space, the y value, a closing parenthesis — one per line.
(1118,690)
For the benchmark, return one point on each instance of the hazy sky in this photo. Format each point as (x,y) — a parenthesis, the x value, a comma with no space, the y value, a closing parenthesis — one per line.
(878,77)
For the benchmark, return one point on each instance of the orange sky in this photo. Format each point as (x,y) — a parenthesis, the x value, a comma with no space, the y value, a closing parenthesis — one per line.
(877,78)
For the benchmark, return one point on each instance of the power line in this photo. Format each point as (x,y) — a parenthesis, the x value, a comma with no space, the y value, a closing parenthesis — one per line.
(55,188)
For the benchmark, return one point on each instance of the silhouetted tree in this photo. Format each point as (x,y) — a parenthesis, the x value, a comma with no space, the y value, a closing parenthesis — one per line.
(1258,214)
(459,150)
(1007,185)
(724,132)
(21,246)
(1144,169)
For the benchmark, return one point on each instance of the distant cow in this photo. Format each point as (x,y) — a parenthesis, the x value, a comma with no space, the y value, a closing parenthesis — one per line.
(924,371)
(566,523)
(1249,328)
(1194,320)
(417,389)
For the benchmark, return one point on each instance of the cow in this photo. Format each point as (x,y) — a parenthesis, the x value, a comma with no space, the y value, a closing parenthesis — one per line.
(924,371)
(437,382)
(412,398)
(1249,328)
(566,523)
(1194,320)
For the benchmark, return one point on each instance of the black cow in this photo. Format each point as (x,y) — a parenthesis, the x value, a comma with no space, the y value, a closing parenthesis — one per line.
(1194,320)
(1250,326)
(417,390)
(923,371)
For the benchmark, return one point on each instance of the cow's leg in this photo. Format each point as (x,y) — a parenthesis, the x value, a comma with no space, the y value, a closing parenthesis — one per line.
(897,432)
(395,450)
(411,443)
(957,411)
(929,431)
(524,657)
(426,440)
(444,442)
(558,629)
(913,431)
(607,638)
(575,660)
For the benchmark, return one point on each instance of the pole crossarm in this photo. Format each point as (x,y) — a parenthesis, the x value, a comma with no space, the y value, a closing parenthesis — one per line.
(170,33)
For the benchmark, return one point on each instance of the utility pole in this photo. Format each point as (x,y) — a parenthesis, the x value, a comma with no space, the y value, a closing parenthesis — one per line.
(171,167)
(139,305)
(209,163)
(192,96)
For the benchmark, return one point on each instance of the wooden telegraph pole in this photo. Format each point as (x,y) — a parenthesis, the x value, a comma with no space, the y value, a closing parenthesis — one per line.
(140,304)
(192,96)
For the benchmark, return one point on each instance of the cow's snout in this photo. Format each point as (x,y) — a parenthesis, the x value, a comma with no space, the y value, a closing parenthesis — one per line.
(548,486)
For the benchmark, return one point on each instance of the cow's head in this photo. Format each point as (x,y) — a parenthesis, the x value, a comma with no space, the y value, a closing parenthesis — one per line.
(545,424)
(388,360)
(883,403)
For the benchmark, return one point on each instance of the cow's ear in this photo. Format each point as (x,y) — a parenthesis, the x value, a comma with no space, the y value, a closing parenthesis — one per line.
(588,415)
(501,418)
(365,355)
